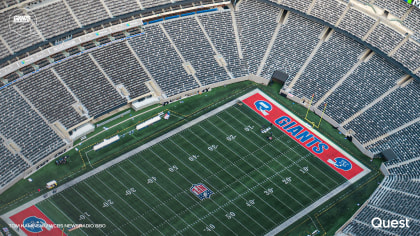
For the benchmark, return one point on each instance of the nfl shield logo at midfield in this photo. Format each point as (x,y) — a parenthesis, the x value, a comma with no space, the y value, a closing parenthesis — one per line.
(201,191)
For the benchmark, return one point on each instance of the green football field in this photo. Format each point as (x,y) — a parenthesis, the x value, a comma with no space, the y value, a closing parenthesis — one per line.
(257,184)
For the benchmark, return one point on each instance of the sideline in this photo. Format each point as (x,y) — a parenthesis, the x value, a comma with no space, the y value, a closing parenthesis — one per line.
(6,216)
(284,225)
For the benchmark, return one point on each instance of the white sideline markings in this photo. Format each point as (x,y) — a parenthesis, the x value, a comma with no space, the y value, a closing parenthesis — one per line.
(267,165)
(262,200)
(187,193)
(308,209)
(257,169)
(270,143)
(117,160)
(292,149)
(135,194)
(287,145)
(104,199)
(130,221)
(276,173)
(159,139)
(174,198)
(227,186)
(152,194)
(80,211)
(214,189)
(352,180)
(64,214)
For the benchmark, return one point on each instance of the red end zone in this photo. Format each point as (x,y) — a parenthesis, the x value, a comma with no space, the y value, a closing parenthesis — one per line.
(294,129)
(33,222)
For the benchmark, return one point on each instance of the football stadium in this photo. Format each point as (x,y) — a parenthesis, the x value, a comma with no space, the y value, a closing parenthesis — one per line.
(211,117)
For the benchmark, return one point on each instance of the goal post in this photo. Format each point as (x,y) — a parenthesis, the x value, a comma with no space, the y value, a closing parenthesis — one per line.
(307,112)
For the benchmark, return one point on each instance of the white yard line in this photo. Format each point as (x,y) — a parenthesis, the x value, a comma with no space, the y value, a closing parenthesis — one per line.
(185,191)
(81,212)
(160,202)
(256,170)
(262,200)
(184,164)
(352,180)
(182,129)
(237,180)
(124,201)
(111,205)
(115,161)
(308,209)
(274,147)
(292,150)
(262,174)
(134,164)
(226,186)
(263,162)
(135,194)
(64,214)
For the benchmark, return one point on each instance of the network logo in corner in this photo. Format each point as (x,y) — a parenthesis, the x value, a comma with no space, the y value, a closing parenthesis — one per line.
(201,191)
(341,163)
(22,23)
(35,225)
(263,106)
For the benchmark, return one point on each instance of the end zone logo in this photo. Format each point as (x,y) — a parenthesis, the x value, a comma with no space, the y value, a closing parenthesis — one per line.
(295,129)
(341,163)
(35,225)
(263,107)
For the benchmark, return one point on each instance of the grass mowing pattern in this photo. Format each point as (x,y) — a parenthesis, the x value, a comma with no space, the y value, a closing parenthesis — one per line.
(191,108)
(240,172)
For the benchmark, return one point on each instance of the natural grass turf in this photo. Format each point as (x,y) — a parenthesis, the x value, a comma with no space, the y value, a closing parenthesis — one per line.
(237,171)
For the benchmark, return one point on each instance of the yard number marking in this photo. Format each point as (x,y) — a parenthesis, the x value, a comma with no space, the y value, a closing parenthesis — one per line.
(287,180)
(250,203)
(212,147)
(304,169)
(83,216)
(130,191)
(173,168)
(230,215)
(209,228)
(193,157)
(269,191)
(248,128)
(108,203)
(231,137)
(151,180)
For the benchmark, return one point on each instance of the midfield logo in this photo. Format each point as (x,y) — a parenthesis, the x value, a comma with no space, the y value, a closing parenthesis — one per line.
(201,191)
